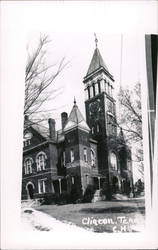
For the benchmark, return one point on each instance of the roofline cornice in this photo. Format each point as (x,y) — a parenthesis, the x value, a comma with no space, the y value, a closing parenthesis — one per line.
(76,127)
(39,145)
(88,77)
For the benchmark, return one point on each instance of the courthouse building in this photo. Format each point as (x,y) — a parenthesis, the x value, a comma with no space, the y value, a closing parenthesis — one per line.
(86,151)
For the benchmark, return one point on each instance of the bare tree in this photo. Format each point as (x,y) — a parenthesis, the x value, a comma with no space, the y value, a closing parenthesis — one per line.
(39,76)
(130,119)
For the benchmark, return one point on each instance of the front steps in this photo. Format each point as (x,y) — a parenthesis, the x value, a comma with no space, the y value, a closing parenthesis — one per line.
(98,196)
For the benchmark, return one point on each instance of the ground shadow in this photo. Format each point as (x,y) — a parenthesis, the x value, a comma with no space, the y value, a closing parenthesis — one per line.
(120,209)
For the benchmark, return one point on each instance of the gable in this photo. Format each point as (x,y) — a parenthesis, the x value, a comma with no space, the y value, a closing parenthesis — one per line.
(32,138)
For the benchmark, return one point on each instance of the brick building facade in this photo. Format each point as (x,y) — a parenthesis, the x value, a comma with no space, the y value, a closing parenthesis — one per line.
(84,152)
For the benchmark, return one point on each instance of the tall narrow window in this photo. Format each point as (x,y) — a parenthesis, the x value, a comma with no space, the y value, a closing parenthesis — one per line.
(113,160)
(64,158)
(87,179)
(92,158)
(41,161)
(88,92)
(42,186)
(108,88)
(73,180)
(98,128)
(28,166)
(72,158)
(93,89)
(92,130)
(85,155)
(99,88)
(105,83)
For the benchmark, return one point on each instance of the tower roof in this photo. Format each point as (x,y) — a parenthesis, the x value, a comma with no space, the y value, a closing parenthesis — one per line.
(96,62)
(76,119)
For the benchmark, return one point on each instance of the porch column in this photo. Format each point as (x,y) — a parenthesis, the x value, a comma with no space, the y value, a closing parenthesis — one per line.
(99,182)
(59,186)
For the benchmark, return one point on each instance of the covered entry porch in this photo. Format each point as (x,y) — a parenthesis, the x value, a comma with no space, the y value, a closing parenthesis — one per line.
(59,184)
(99,181)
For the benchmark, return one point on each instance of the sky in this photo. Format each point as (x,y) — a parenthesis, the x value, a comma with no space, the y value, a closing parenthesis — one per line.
(121,54)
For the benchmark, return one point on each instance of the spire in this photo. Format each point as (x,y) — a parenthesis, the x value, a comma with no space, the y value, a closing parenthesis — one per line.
(96,40)
(97,60)
(76,119)
(74,100)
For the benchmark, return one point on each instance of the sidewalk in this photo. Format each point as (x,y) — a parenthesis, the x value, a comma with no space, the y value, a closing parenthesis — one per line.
(34,220)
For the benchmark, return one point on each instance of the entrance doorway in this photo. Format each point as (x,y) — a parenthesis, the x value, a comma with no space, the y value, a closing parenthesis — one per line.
(115,186)
(30,189)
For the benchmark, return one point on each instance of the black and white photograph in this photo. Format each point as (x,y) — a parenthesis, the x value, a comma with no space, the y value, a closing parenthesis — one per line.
(79,126)
(86,166)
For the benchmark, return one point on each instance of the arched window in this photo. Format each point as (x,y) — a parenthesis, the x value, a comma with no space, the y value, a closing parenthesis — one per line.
(113,160)
(28,165)
(41,158)
(92,158)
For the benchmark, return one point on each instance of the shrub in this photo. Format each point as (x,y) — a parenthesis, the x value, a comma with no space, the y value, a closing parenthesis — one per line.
(89,194)
(49,199)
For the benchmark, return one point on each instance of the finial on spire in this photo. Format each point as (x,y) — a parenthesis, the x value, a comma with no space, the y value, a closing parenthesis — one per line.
(96,40)
(74,100)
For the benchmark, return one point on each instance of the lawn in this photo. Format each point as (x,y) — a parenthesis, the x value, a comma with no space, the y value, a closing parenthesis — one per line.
(103,216)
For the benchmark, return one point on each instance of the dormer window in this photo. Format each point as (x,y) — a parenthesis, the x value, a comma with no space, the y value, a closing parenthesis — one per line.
(41,158)
(28,165)
(27,143)
(27,139)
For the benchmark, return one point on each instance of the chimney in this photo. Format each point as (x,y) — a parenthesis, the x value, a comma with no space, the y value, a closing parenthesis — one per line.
(64,118)
(52,132)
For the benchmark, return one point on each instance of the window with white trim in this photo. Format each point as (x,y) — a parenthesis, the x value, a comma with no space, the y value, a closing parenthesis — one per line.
(98,129)
(42,186)
(41,158)
(85,154)
(92,130)
(73,179)
(92,158)
(87,179)
(72,157)
(28,165)
(113,160)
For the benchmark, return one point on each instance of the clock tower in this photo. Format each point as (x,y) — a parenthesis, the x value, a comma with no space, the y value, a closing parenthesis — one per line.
(101,109)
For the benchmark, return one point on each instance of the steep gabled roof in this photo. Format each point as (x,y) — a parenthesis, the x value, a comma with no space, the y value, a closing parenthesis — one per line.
(96,62)
(76,119)
(43,131)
